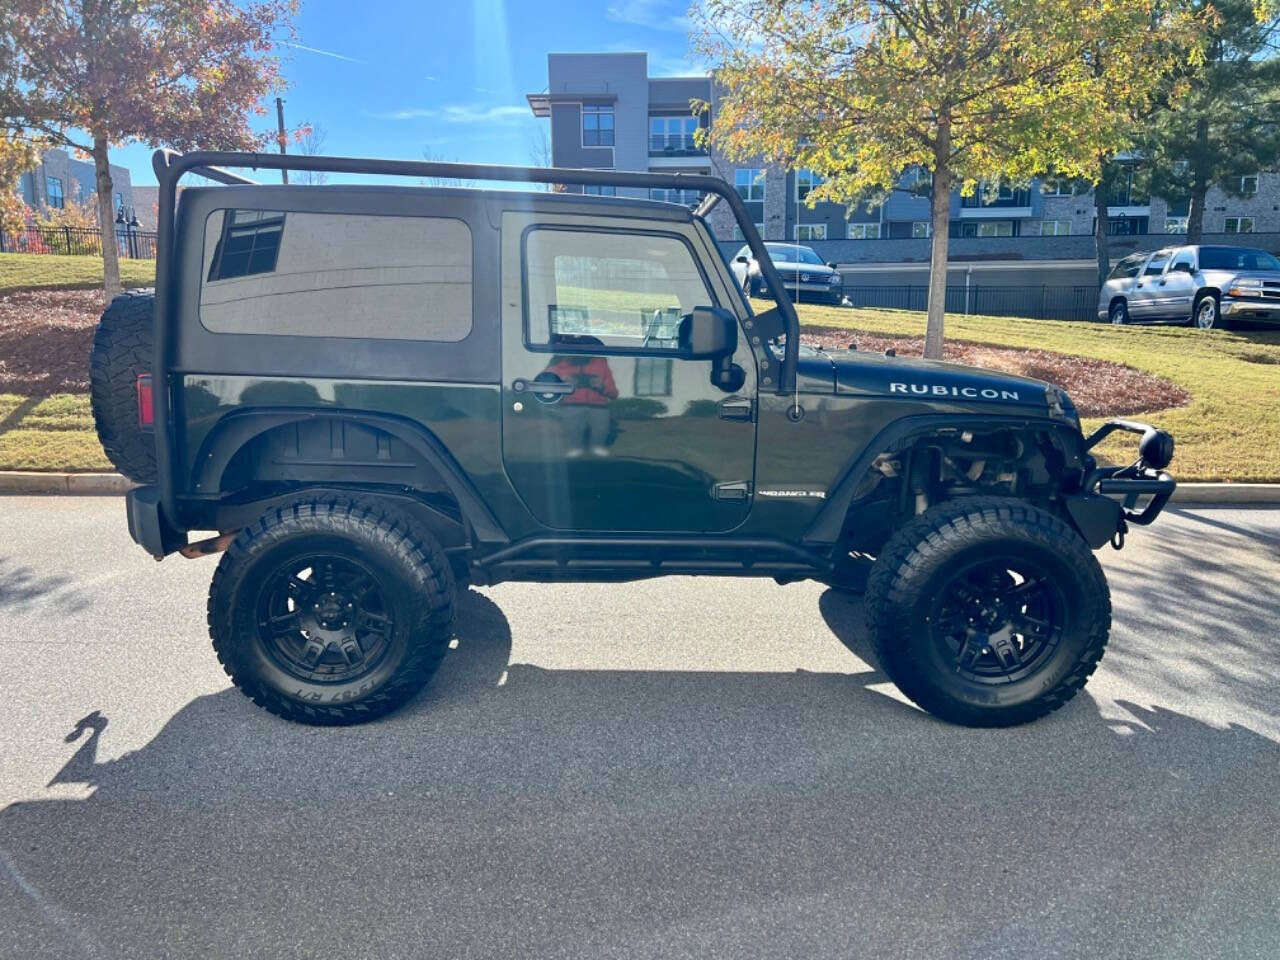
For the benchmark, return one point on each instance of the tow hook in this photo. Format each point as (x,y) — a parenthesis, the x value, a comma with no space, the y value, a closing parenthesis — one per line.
(203,548)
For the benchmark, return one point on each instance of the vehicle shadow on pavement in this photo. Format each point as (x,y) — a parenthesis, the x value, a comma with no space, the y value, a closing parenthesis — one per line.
(20,585)
(514,811)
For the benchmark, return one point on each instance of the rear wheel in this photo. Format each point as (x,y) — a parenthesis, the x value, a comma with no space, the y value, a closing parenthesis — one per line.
(332,611)
(988,612)
(1119,314)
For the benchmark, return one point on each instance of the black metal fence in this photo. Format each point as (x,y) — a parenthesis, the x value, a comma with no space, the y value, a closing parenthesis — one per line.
(132,244)
(1043,302)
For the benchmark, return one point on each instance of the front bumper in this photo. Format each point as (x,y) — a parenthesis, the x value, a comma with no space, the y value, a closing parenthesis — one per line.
(1103,519)
(1264,310)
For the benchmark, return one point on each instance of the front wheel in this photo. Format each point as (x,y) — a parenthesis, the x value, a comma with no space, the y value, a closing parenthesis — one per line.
(332,610)
(1206,312)
(988,612)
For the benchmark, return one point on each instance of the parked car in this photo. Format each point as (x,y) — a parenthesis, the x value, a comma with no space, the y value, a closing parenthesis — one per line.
(377,395)
(1209,286)
(806,277)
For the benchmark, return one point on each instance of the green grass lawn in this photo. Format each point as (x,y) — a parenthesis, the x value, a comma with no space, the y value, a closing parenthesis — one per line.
(55,432)
(1229,431)
(26,271)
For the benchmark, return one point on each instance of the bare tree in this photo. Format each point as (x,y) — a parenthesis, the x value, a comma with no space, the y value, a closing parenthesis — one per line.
(540,152)
(311,144)
(432,157)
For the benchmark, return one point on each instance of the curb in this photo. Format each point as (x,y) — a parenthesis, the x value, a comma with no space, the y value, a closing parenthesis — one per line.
(106,484)
(28,482)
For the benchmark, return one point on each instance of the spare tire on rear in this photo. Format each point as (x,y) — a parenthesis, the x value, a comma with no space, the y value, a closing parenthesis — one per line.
(122,352)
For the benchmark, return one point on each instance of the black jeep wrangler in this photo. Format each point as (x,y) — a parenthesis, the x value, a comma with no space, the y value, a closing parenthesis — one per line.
(373,395)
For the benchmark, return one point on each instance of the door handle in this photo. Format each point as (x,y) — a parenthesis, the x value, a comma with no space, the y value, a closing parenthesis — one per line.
(1137,284)
(736,408)
(542,386)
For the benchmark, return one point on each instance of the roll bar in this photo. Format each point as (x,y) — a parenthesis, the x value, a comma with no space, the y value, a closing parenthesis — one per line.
(170,166)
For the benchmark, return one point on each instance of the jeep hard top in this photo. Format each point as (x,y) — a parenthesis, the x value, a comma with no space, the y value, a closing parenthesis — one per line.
(372,396)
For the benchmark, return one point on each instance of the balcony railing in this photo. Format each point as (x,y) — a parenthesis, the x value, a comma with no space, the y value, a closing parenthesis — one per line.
(1015,198)
(674,145)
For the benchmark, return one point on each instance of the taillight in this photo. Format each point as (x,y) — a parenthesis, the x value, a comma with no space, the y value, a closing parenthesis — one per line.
(146,405)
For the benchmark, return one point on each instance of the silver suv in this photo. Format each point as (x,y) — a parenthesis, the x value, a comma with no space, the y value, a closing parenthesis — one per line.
(1207,286)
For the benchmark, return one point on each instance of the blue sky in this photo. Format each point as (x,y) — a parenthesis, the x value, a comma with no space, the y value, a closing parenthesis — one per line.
(393,78)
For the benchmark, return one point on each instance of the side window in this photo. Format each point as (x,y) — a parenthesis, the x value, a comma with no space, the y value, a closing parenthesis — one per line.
(336,275)
(1155,266)
(1185,262)
(1126,268)
(623,292)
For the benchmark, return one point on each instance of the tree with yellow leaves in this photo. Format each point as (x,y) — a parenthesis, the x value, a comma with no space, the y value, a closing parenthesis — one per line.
(974,91)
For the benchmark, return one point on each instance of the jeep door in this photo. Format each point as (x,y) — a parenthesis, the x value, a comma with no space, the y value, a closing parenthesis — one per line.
(606,428)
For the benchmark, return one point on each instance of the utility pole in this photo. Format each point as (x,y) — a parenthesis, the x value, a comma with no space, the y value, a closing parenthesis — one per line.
(280,137)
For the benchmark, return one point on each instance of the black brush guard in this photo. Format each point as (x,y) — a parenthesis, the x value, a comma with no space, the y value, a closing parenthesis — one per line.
(1144,477)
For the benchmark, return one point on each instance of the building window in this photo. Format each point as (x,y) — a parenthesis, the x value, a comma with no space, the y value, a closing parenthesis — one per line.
(250,244)
(53,186)
(1124,226)
(1175,224)
(653,377)
(918,180)
(806,180)
(737,231)
(686,198)
(1249,184)
(597,125)
(922,229)
(749,183)
(812,231)
(1125,190)
(1058,187)
(987,228)
(119,201)
(1055,228)
(595,190)
(864,231)
(1238,225)
(673,135)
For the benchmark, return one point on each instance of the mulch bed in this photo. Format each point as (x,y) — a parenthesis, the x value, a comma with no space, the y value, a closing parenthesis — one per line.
(45,337)
(1098,388)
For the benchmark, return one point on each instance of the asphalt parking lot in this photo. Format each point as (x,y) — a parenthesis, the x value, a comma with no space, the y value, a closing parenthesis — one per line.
(676,768)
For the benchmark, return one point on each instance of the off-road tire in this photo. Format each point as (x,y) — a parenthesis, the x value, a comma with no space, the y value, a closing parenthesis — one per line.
(916,562)
(414,570)
(122,350)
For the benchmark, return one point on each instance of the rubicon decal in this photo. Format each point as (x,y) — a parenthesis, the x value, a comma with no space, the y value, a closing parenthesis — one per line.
(944,390)
(774,492)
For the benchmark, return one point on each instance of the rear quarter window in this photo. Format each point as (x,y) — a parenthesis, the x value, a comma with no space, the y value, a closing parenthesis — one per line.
(336,275)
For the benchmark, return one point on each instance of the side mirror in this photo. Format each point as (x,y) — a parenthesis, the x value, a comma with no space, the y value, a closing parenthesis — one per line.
(708,333)
(741,260)
(832,266)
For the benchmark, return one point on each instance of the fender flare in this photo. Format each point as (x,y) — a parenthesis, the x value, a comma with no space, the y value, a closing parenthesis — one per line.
(229,435)
(826,527)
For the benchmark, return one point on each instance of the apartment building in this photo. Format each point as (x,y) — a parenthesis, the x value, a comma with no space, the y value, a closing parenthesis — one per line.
(606,112)
(60,177)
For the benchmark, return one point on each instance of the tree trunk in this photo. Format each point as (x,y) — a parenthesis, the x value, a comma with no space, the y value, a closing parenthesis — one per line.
(940,226)
(106,219)
(1199,184)
(1100,237)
